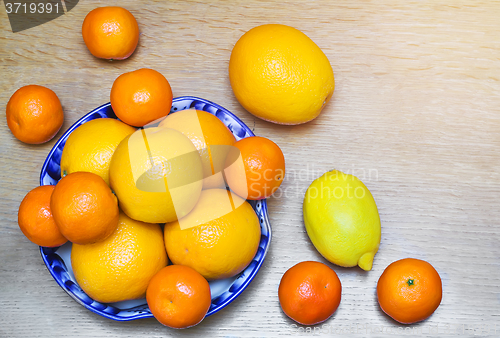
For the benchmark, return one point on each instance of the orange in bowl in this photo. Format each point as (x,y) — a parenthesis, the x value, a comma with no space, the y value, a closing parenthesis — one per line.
(35,218)
(255,168)
(110,33)
(211,138)
(84,208)
(178,296)
(141,96)
(34,114)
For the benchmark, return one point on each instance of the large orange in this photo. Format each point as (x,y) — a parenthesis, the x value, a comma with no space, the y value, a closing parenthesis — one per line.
(257,170)
(34,114)
(156,173)
(35,218)
(409,290)
(110,32)
(178,296)
(280,75)
(91,146)
(141,96)
(211,138)
(309,292)
(218,238)
(84,208)
(120,267)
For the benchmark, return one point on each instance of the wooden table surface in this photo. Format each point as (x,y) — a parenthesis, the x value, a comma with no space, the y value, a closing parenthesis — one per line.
(415,115)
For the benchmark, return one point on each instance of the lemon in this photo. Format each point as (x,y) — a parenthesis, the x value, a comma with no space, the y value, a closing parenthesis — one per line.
(120,267)
(280,75)
(90,146)
(342,220)
(156,174)
(219,238)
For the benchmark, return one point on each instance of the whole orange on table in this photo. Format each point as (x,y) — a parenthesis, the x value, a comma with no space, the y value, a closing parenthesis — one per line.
(409,290)
(255,168)
(309,292)
(280,75)
(84,208)
(178,296)
(120,267)
(35,218)
(110,32)
(211,138)
(141,96)
(34,114)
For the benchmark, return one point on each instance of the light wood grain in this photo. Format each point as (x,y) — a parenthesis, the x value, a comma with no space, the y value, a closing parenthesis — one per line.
(415,114)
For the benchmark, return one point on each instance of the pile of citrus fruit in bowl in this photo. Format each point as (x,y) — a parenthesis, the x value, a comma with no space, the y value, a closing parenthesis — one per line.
(158,204)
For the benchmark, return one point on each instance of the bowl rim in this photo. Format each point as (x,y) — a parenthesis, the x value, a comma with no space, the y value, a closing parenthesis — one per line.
(263,205)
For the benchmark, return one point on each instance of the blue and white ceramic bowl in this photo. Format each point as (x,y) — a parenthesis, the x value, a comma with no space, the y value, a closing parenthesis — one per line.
(223,291)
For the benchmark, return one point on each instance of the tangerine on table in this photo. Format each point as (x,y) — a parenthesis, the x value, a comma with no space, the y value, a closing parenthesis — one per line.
(110,33)
(120,267)
(141,96)
(84,208)
(35,218)
(34,114)
(178,296)
(211,138)
(257,170)
(409,290)
(309,292)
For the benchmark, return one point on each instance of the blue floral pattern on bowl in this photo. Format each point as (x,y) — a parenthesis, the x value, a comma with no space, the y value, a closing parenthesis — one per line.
(223,292)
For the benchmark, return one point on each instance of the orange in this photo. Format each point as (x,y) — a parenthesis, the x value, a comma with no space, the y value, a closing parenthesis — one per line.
(409,290)
(110,33)
(35,218)
(280,75)
(156,174)
(120,267)
(91,146)
(141,96)
(34,114)
(211,138)
(84,208)
(218,238)
(178,296)
(309,292)
(258,170)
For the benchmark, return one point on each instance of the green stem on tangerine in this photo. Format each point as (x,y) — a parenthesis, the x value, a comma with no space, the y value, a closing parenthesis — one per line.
(410,282)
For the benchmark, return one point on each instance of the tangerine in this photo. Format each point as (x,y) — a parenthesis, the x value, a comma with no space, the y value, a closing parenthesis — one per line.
(178,296)
(84,208)
(35,218)
(110,32)
(141,96)
(309,292)
(34,114)
(255,168)
(409,290)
